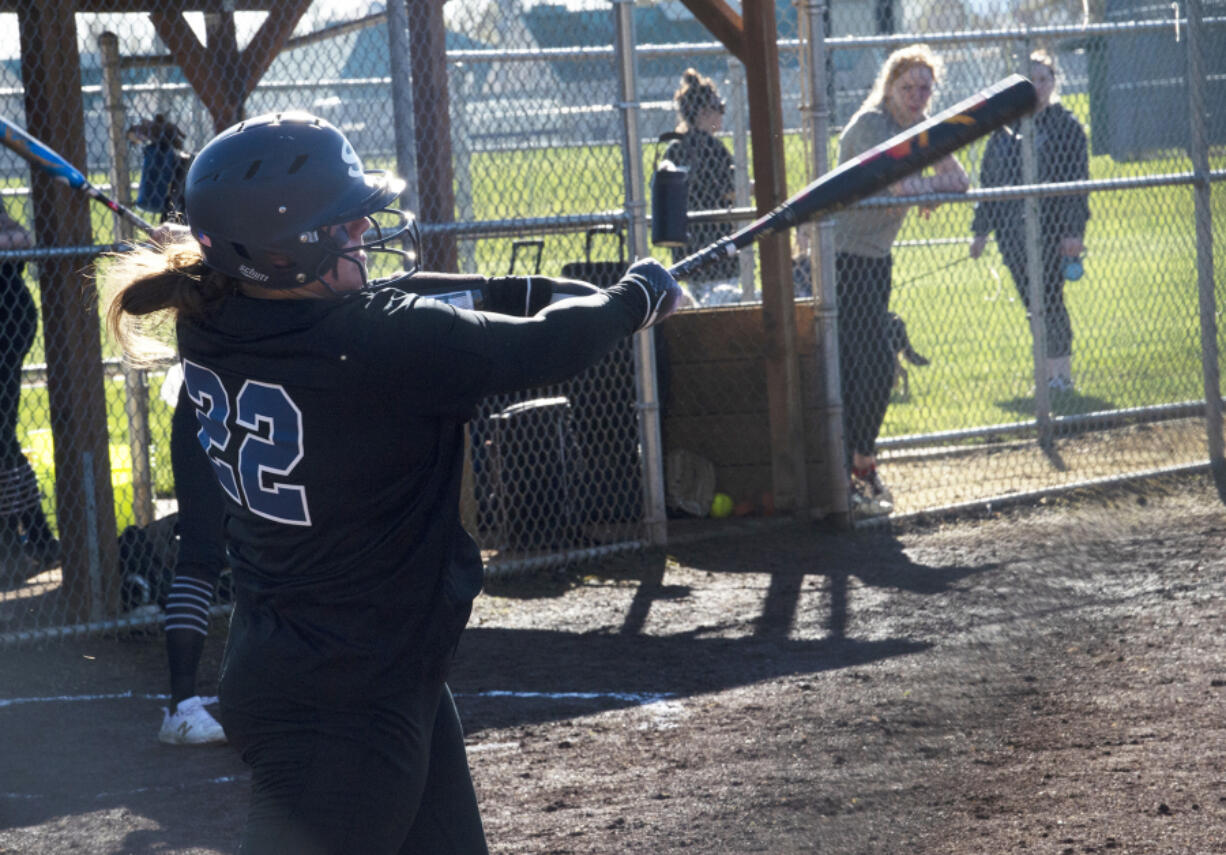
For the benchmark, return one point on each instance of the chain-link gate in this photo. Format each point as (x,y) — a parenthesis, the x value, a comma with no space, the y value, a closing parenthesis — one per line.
(529,134)
(1105,381)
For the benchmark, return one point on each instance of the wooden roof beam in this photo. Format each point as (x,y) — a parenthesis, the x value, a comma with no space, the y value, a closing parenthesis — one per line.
(221,74)
(141,6)
(722,22)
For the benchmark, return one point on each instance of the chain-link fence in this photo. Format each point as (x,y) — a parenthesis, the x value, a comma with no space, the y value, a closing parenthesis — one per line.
(1107,379)
(528,134)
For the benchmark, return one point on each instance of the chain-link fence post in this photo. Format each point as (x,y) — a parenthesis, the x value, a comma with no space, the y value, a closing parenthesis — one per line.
(402,102)
(75,389)
(739,110)
(135,380)
(462,156)
(1198,150)
(821,259)
(636,207)
(432,134)
(1035,271)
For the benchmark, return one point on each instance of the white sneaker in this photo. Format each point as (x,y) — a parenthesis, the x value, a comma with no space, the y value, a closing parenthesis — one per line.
(191,724)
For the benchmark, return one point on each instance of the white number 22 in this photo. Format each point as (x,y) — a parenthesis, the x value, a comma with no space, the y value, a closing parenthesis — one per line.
(270,446)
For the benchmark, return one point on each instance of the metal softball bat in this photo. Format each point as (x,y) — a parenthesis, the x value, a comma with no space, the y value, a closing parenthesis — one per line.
(52,163)
(905,154)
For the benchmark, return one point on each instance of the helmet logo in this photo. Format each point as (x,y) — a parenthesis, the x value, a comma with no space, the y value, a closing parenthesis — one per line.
(351,157)
(252,273)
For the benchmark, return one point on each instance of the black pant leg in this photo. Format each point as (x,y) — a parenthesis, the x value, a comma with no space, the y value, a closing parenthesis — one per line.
(18,327)
(388,780)
(448,820)
(1059,326)
(865,362)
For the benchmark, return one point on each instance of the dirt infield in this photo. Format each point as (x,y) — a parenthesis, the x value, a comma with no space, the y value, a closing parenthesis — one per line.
(1045,680)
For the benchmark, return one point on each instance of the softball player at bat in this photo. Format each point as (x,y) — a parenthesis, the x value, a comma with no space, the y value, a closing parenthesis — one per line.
(333,410)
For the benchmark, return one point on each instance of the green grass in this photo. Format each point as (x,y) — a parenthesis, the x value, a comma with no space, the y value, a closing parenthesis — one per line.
(1134,313)
(34,432)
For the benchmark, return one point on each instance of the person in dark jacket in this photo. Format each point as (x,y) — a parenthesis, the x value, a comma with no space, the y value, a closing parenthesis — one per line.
(1061,155)
(332,411)
(27,544)
(711,169)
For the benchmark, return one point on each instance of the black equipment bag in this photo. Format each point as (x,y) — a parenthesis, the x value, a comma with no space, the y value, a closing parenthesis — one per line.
(603,402)
(670,188)
(147,562)
(536,244)
(534,468)
(480,427)
(602,274)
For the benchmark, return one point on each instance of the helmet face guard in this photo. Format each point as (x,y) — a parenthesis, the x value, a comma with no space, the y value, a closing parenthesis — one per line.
(386,228)
(264,199)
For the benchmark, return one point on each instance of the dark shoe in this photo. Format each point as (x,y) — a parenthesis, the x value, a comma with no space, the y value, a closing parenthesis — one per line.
(13,562)
(43,556)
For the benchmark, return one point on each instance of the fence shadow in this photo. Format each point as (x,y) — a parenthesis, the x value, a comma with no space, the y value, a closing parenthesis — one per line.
(1062,404)
(562,673)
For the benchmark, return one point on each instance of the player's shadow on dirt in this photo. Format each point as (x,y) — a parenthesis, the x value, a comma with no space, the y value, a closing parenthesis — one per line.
(511,677)
(874,556)
(559,674)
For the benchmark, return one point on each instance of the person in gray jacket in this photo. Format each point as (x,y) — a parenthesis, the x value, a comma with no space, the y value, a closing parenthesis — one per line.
(1061,155)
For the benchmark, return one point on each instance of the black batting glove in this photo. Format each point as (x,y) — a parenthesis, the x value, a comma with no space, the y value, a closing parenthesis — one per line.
(659,288)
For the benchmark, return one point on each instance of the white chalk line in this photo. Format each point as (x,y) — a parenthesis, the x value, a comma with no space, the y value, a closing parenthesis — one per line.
(207,700)
(165,788)
(640,698)
(658,703)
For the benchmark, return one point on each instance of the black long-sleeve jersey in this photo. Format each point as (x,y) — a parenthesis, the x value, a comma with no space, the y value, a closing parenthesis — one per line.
(335,428)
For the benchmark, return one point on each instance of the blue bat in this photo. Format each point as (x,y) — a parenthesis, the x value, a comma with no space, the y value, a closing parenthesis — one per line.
(50,162)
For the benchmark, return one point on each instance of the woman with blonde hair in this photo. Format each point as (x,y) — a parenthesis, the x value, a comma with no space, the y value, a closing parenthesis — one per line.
(863,238)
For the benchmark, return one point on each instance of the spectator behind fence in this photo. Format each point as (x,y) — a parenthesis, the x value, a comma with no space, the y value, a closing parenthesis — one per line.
(863,239)
(164,166)
(334,412)
(711,170)
(1060,155)
(27,545)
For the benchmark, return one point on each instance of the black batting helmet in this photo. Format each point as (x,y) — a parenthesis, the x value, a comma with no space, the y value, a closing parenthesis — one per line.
(263,196)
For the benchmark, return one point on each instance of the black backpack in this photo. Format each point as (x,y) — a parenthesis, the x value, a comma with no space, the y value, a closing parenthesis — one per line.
(147,557)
